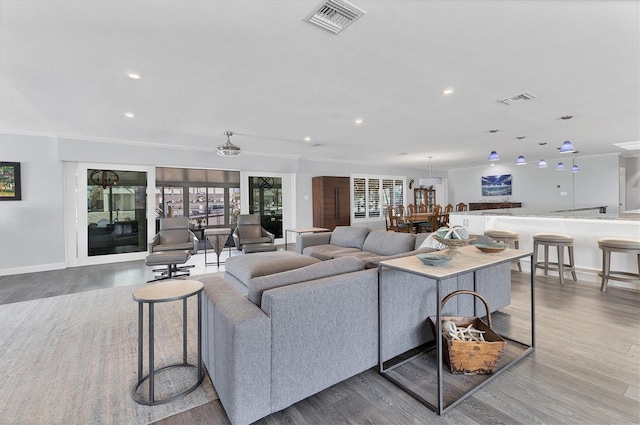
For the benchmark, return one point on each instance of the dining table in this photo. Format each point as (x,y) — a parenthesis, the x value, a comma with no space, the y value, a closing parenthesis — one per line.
(417,218)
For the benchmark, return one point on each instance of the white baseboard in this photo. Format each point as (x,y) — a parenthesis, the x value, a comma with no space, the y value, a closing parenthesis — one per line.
(32,269)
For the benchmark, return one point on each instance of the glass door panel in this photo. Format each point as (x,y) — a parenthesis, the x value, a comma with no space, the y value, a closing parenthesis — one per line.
(265,198)
(116,211)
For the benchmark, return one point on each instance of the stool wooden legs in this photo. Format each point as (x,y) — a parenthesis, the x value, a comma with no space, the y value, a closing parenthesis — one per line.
(606,266)
(560,264)
(615,275)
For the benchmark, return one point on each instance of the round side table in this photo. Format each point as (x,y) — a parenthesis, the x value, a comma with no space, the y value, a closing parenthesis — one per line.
(167,291)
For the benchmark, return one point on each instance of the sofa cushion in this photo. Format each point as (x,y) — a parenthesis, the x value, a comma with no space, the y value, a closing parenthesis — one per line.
(245,267)
(327,252)
(388,243)
(349,236)
(315,271)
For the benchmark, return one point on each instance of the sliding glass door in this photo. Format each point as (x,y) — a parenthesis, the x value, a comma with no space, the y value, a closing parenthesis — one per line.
(116,211)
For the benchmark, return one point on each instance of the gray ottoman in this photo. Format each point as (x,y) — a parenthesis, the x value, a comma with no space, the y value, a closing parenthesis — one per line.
(240,269)
(171,259)
(258,247)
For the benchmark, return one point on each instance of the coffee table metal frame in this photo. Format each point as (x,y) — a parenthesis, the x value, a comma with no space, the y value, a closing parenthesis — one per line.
(152,300)
(439,274)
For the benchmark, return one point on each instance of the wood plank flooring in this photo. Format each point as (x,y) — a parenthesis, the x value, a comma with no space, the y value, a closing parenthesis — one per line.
(585,370)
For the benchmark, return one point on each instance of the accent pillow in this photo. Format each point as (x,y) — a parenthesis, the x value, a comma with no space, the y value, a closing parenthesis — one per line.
(430,242)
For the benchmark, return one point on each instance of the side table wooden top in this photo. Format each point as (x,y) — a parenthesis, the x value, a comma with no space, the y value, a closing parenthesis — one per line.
(169,290)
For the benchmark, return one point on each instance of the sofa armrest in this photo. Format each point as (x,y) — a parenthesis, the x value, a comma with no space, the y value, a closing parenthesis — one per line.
(268,234)
(155,241)
(194,239)
(304,240)
(236,351)
(236,238)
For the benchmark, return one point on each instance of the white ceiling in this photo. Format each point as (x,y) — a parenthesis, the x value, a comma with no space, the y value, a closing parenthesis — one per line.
(259,69)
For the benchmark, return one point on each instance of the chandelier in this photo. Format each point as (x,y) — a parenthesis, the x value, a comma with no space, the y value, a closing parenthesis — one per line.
(228,149)
(104,178)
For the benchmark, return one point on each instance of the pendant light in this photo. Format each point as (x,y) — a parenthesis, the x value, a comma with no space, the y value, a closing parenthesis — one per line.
(560,166)
(575,168)
(228,149)
(521,160)
(493,156)
(567,147)
(542,163)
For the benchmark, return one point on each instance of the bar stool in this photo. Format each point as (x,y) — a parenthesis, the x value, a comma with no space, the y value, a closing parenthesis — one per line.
(609,245)
(560,241)
(508,237)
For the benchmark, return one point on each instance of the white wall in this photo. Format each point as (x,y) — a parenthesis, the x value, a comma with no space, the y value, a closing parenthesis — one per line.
(632,166)
(542,188)
(31,230)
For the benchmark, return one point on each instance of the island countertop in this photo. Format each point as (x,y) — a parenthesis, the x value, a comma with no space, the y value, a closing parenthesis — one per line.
(592,213)
(585,226)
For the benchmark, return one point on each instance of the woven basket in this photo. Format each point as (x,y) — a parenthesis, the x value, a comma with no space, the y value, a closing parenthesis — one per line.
(471,357)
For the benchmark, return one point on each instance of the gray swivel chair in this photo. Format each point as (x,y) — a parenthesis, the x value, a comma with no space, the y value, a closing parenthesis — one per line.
(249,231)
(174,235)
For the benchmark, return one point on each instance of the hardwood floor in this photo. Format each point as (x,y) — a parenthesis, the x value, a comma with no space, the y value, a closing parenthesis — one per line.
(585,369)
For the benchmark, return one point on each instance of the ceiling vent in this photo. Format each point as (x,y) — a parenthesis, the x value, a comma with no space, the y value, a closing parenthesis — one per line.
(335,15)
(518,98)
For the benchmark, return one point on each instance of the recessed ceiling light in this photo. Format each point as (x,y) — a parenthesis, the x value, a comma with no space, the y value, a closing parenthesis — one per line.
(129,114)
(447,91)
(307,139)
(630,146)
(359,121)
(133,76)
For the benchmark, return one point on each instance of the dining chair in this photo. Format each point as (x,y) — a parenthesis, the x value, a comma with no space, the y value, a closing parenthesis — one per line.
(461,206)
(433,223)
(422,208)
(401,225)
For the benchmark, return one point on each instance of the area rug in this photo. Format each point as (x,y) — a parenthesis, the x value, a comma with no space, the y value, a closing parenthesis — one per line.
(73,359)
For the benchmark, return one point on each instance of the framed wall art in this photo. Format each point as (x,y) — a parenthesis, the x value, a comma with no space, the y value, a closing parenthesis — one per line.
(10,188)
(496,185)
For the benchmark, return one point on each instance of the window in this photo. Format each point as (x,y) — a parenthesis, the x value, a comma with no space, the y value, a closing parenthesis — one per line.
(371,195)
(210,198)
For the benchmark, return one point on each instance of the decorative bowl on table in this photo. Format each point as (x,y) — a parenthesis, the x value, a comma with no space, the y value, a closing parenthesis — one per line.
(454,243)
(491,247)
(435,260)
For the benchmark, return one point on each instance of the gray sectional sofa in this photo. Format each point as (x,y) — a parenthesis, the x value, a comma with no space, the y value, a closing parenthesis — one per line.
(291,325)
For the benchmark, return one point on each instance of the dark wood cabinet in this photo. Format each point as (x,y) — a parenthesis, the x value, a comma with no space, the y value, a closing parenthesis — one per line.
(331,198)
(493,205)
(424,196)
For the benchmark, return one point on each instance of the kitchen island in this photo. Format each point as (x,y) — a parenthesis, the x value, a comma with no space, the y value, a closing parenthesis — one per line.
(586,226)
